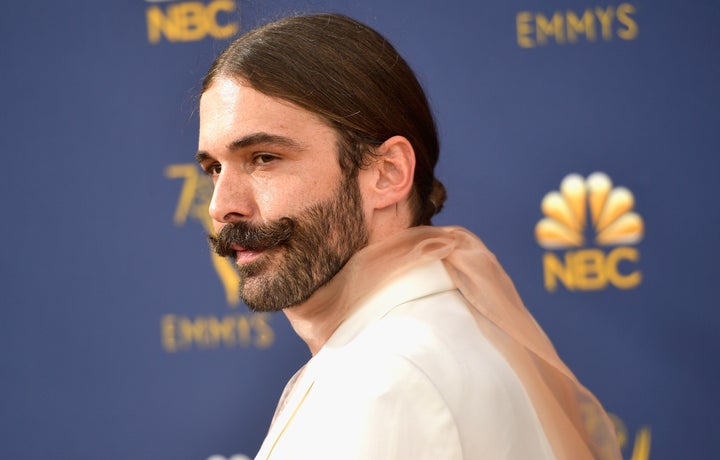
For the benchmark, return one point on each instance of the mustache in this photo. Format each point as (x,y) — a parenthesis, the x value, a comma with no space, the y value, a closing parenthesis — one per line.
(251,237)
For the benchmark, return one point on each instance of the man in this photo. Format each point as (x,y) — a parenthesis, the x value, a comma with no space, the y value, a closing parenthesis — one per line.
(321,146)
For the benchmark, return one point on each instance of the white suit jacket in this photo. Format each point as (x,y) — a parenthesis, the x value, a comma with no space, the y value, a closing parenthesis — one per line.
(409,376)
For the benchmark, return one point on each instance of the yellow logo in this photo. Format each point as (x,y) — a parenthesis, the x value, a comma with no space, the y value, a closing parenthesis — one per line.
(569,27)
(609,211)
(192,21)
(180,333)
(194,202)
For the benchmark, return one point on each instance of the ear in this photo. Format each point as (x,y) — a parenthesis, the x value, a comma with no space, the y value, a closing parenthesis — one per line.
(391,173)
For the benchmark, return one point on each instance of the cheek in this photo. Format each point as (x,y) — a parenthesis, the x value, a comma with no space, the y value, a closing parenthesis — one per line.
(275,199)
(291,194)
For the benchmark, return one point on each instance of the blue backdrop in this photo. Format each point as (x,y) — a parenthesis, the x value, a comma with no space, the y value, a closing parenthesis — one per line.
(121,337)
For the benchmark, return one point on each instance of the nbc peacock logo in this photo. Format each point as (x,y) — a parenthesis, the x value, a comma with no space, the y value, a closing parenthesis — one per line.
(594,225)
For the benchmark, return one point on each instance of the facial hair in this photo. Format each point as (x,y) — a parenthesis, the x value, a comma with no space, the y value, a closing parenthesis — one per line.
(300,253)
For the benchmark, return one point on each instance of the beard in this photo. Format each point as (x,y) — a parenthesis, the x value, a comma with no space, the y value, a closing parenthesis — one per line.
(300,253)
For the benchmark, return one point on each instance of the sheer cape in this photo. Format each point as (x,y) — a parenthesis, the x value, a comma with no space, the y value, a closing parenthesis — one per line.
(574,422)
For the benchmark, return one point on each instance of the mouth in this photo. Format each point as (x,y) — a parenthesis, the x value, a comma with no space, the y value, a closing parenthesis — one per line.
(245,256)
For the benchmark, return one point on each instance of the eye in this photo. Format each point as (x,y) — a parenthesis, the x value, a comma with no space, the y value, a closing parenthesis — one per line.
(264,158)
(213,169)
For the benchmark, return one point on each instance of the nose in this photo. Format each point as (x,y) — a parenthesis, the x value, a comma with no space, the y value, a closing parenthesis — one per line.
(231,199)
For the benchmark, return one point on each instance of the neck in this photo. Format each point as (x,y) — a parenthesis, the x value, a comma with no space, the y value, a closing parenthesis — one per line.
(314,323)
(316,319)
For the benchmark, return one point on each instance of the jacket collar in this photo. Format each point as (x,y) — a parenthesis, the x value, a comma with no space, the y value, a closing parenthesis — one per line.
(421,281)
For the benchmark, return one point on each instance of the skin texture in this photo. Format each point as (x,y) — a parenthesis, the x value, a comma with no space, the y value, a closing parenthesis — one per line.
(270,159)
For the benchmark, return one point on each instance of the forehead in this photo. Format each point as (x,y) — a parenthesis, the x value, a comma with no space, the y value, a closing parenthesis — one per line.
(230,107)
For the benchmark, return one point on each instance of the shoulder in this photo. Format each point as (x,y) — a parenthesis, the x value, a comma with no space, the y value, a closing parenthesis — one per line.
(434,343)
(431,346)
(439,337)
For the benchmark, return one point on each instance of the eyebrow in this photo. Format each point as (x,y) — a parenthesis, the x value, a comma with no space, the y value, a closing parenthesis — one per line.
(251,140)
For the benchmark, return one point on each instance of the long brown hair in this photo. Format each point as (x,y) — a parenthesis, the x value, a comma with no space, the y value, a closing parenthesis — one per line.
(350,75)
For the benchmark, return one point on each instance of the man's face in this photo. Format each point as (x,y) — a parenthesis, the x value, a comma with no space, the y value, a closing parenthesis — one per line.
(281,205)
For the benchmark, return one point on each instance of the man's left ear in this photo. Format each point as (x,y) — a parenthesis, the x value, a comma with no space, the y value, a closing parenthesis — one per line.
(393,170)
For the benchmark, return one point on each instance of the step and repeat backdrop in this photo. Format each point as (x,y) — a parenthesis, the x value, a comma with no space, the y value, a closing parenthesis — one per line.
(579,141)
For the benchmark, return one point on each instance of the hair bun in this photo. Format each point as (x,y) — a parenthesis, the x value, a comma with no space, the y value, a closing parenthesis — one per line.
(437,197)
